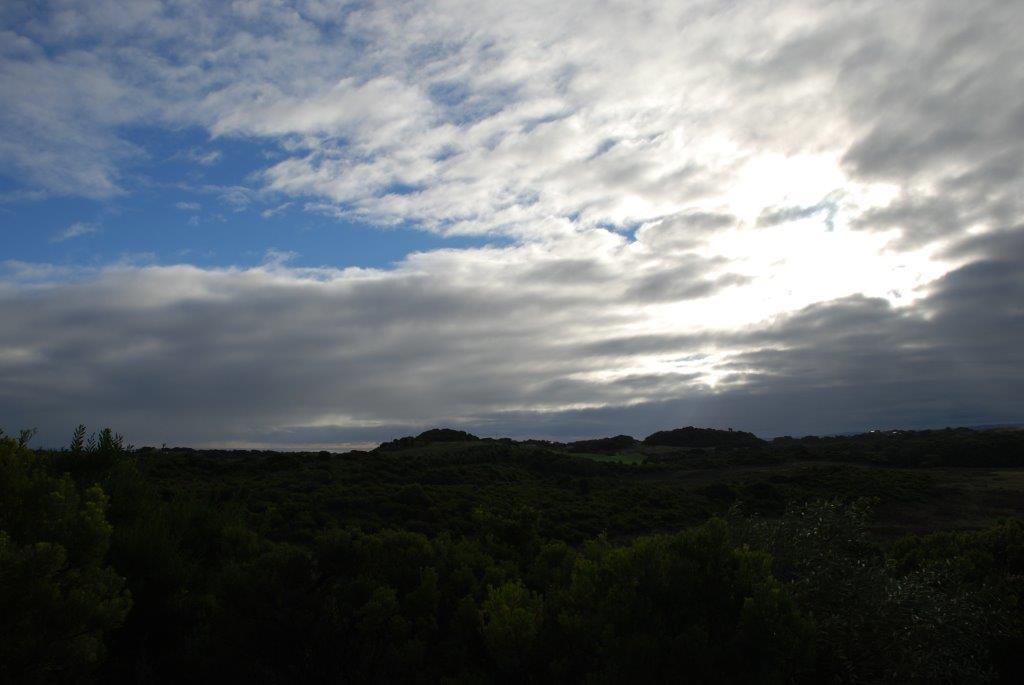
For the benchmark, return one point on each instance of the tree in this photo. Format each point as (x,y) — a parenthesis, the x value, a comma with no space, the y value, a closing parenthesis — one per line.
(512,620)
(58,598)
(694,605)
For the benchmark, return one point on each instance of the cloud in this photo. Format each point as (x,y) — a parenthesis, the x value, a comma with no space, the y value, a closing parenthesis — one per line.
(272,211)
(75,230)
(828,206)
(204,157)
(278,258)
(498,121)
(238,197)
(487,339)
(807,207)
(188,206)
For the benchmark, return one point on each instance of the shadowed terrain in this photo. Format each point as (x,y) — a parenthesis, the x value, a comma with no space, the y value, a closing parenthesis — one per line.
(695,553)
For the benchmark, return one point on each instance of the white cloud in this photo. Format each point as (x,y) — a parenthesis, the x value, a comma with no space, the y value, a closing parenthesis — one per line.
(278,258)
(493,117)
(268,213)
(75,230)
(204,157)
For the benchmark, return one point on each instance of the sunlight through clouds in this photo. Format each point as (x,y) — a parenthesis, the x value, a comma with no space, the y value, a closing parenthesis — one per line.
(646,193)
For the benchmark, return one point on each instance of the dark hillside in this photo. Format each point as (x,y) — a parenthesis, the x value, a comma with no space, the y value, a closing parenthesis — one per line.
(702,437)
(603,445)
(946,447)
(429,437)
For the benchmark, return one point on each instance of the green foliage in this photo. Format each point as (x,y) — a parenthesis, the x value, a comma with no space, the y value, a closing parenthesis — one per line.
(982,555)
(947,447)
(58,598)
(25,436)
(691,603)
(447,557)
(513,618)
(78,439)
(988,564)
(880,618)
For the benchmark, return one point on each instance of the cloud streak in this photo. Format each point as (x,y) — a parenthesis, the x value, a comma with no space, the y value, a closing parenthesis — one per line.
(75,230)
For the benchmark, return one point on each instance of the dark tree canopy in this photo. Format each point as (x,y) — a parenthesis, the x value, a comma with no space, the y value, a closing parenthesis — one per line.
(450,558)
(702,437)
(603,445)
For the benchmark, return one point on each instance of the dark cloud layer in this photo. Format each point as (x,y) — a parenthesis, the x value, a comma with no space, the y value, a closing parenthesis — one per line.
(266,356)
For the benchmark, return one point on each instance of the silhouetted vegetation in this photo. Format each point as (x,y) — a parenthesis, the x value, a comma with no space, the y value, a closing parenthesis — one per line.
(602,445)
(697,555)
(430,437)
(702,437)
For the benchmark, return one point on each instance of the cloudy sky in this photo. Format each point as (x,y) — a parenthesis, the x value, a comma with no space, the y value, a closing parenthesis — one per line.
(330,223)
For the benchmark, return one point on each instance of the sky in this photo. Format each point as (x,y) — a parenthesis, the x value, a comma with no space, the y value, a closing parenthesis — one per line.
(325,224)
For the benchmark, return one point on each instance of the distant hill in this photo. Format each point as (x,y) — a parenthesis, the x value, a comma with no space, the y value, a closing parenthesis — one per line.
(429,437)
(702,437)
(602,445)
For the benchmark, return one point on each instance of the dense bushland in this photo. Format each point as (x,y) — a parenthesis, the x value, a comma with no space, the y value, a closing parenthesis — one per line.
(450,558)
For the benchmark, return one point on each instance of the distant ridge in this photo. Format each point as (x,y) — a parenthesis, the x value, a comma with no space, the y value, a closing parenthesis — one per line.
(428,437)
(603,445)
(688,437)
(702,437)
